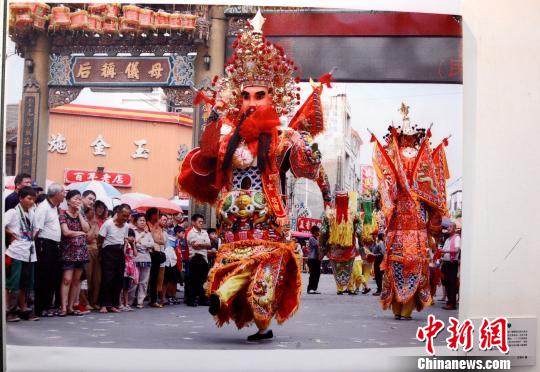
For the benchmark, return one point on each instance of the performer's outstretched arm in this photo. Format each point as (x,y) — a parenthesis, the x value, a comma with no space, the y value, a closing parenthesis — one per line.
(323,238)
(324,186)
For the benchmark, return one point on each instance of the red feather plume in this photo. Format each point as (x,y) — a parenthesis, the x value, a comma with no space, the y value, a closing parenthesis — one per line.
(326,79)
(201,97)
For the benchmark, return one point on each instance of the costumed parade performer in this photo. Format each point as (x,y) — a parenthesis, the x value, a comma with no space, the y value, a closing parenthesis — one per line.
(240,167)
(363,263)
(341,231)
(412,186)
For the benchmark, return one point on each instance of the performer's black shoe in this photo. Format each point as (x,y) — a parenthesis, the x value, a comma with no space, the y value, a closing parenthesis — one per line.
(261,336)
(366,290)
(378,293)
(351,293)
(214,304)
(340,292)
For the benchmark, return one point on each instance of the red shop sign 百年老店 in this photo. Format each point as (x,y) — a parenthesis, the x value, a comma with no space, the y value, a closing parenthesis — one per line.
(114,178)
(305,224)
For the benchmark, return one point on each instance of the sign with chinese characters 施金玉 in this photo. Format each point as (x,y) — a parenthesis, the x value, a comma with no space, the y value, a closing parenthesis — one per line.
(114,178)
(121,71)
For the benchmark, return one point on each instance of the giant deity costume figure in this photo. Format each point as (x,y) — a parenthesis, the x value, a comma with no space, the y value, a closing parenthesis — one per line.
(240,168)
(341,233)
(412,184)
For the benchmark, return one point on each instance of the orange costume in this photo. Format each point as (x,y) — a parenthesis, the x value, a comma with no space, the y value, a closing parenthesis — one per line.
(412,185)
(240,168)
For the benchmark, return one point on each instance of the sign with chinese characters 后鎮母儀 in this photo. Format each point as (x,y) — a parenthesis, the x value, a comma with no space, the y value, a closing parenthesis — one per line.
(114,178)
(121,71)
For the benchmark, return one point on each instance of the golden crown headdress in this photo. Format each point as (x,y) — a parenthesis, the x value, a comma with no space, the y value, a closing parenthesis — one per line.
(258,62)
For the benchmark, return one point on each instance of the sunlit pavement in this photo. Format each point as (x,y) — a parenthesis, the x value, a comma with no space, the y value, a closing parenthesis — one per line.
(325,321)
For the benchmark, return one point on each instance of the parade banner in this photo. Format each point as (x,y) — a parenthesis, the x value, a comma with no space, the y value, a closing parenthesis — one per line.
(378,59)
(304,224)
(113,178)
(367,176)
(121,71)
(383,47)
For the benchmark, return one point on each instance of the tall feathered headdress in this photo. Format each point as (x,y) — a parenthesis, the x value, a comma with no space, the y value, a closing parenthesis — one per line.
(257,62)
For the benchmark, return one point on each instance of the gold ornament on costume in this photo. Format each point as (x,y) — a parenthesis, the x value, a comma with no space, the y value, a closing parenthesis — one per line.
(404,109)
(257,22)
(406,127)
(257,62)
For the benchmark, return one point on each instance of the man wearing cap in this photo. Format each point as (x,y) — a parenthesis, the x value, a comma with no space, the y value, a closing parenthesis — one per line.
(21,180)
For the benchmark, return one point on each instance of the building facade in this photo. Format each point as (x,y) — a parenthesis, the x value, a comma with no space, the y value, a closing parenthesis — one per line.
(134,150)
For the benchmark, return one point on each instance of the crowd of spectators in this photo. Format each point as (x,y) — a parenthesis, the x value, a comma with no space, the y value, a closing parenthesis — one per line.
(84,258)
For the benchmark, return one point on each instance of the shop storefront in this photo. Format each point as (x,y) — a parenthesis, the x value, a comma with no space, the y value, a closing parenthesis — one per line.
(134,150)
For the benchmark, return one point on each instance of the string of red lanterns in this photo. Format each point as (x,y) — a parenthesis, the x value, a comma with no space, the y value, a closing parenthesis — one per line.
(97,18)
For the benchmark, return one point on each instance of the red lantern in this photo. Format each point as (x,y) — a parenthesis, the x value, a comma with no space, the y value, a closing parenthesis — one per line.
(110,24)
(113,10)
(146,19)
(190,21)
(59,18)
(79,20)
(125,26)
(40,9)
(97,8)
(95,23)
(162,20)
(131,15)
(39,22)
(22,13)
(175,21)
(11,26)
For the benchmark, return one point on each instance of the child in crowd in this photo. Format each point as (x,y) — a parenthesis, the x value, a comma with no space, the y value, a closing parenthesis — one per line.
(171,271)
(20,254)
(182,254)
(131,276)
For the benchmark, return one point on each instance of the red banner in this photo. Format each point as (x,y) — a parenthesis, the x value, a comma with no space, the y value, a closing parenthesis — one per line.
(113,178)
(304,224)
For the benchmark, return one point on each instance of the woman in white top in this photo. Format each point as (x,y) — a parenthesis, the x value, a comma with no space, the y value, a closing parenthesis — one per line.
(144,243)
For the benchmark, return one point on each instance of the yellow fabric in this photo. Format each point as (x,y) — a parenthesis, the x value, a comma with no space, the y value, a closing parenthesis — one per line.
(356,278)
(405,309)
(342,233)
(366,272)
(360,274)
(353,202)
(233,285)
(367,231)
(348,287)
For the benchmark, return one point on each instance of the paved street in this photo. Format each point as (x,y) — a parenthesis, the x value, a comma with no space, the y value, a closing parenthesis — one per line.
(325,321)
